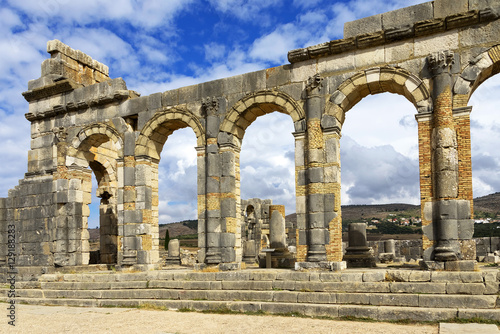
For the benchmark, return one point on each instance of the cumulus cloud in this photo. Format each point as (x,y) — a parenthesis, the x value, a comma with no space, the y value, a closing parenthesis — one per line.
(377,174)
(246,10)
(145,14)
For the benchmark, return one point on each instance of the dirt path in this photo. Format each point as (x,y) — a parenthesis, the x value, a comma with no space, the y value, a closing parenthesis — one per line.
(58,319)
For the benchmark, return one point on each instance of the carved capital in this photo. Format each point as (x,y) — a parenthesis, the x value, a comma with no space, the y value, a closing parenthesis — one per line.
(60,133)
(440,62)
(314,84)
(210,105)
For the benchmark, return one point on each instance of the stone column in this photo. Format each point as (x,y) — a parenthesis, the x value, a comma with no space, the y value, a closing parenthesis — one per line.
(317,228)
(444,159)
(300,190)
(174,253)
(212,207)
(130,242)
(358,254)
(277,231)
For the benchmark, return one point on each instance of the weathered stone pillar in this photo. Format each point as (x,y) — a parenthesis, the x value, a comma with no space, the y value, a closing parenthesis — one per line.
(230,202)
(300,190)
(317,228)
(277,231)
(131,243)
(444,159)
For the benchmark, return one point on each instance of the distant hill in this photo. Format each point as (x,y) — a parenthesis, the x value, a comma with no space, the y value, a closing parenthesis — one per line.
(489,204)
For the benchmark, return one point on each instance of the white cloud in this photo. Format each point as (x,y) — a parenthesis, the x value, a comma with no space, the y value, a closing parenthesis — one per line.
(246,10)
(145,14)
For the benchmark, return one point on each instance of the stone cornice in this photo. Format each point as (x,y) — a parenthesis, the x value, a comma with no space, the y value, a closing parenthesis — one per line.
(96,101)
(57,87)
(421,28)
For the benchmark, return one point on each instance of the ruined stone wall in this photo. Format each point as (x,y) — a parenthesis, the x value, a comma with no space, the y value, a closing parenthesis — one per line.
(84,122)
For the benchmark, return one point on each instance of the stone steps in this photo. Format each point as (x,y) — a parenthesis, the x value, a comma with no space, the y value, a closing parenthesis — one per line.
(381,313)
(381,294)
(374,299)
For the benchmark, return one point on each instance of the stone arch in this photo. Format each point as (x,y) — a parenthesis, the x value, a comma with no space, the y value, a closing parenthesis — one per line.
(482,67)
(100,134)
(98,146)
(161,125)
(246,110)
(379,80)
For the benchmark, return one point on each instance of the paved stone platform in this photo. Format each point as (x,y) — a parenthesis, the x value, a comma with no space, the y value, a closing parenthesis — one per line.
(379,294)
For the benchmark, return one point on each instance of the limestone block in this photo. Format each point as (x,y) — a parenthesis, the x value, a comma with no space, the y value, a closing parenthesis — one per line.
(407,15)
(316,203)
(315,175)
(302,71)
(375,276)
(277,76)
(444,8)
(445,41)
(316,220)
(213,239)
(336,63)
(369,57)
(228,164)
(397,52)
(189,94)
(228,207)
(228,255)
(213,164)
(457,301)
(421,287)
(362,26)
(467,289)
(353,298)
(253,81)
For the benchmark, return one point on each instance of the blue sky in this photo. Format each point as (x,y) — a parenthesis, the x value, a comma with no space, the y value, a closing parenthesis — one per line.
(160,45)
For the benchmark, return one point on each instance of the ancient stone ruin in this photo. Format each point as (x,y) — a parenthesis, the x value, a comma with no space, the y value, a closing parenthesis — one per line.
(435,54)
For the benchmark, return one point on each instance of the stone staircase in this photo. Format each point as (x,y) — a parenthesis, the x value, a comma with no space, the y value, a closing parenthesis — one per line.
(381,294)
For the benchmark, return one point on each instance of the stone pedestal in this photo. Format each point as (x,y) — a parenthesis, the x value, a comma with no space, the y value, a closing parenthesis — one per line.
(277,232)
(464,265)
(249,253)
(358,254)
(174,253)
(389,252)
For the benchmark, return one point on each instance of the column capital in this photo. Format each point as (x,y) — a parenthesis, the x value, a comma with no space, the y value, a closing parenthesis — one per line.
(314,85)
(440,62)
(210,105)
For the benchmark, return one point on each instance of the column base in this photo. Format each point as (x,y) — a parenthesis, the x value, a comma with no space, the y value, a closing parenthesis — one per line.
(464,265)
(280,258)
(173,260)
(219,267)
(323,265)
(366,260)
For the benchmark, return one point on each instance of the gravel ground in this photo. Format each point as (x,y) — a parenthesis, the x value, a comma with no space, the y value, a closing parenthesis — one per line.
(60,319)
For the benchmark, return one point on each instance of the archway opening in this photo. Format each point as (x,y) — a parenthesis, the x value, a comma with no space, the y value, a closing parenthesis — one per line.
(380,167)
(102,219)
(267,170)
(484,129)
(177,190)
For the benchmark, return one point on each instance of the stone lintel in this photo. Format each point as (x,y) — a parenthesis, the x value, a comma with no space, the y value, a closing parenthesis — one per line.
(463,111)
(424,117)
